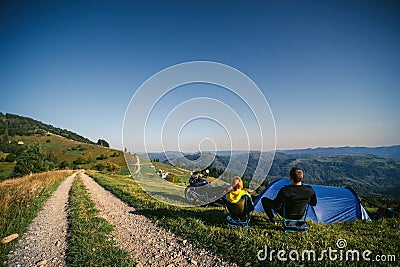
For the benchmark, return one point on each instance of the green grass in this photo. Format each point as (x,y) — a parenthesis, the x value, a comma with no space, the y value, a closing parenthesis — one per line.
(182,175)
(6,170)
(69,150)
(20,201)
(90,240)
(205,227)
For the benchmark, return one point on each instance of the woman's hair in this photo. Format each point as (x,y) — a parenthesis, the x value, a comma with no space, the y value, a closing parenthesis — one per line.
(237,183)
(296,174)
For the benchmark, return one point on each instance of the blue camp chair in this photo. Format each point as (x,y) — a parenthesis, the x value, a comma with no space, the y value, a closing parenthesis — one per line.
(299,225)
(240,212)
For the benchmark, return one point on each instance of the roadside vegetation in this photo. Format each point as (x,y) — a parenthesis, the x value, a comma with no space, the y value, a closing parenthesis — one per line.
(20,201)
(205,227)
(90,239)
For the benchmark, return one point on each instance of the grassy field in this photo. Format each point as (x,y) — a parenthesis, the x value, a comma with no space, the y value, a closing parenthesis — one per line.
(90,242)
(6,169)
(68,150)
(20,201)
(183,175)
(205,227)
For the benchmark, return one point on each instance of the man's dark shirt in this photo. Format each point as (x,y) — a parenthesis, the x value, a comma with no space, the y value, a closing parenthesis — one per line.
(295,198)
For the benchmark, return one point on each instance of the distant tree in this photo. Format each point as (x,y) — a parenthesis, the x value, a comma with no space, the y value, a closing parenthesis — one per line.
(31,160)
(102,142)
(64,165)
(5,134)
(51,157)
(100,167)
(80,160)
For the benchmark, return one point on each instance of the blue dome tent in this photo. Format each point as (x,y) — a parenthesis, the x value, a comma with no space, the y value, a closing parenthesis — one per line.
(334,204)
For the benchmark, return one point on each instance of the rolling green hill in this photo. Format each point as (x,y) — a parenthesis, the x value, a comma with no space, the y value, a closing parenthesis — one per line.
(12,125)
(67,150)
(67,153)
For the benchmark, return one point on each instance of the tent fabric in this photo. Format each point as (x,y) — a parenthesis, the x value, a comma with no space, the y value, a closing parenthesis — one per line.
(334,204)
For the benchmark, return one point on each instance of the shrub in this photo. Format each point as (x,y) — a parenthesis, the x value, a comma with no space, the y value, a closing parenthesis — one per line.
(80,160)
(100,167)
(10,158)
(91,159)
(107,167)
(102,156)
(112,167)
(172,178)
(64,165)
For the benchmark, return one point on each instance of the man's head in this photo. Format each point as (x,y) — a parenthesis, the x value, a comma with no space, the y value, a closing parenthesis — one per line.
(296,174)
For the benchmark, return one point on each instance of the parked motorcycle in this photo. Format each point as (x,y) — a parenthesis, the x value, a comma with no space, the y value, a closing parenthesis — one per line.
(200,191)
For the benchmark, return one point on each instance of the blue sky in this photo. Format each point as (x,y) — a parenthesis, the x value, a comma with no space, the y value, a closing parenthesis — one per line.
(329,69)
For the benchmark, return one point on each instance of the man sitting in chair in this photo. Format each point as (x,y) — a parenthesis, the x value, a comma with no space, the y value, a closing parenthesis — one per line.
(294,198)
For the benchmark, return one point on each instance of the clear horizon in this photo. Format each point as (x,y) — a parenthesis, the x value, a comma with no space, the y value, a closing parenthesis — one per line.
(304,148)
(329,70)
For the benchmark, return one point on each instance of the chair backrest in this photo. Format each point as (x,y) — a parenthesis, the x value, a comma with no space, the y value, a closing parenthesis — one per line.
(295,209)
(240,210)
(297,213)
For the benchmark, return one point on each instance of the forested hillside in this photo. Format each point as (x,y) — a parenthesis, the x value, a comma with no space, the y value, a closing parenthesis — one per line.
(30,146)
(11,125)
(368,175)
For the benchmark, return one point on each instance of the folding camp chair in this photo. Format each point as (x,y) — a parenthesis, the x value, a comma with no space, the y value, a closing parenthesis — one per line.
(239,213)
(299,225)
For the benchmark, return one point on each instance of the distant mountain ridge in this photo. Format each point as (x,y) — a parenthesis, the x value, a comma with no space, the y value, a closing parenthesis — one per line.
(369,174)
(12,125)
(391,152)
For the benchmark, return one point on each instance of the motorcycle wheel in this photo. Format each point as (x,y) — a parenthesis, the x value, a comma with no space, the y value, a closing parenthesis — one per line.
(190,194)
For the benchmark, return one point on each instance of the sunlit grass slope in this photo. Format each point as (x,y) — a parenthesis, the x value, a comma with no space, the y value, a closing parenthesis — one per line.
(205,227)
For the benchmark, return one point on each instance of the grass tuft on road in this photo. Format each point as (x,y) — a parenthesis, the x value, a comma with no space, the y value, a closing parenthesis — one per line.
(90,242)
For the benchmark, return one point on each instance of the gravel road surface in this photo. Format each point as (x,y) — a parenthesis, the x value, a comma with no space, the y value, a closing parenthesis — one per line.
(148,243)
(45,242)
